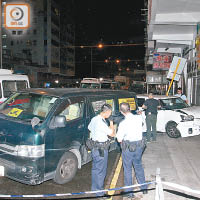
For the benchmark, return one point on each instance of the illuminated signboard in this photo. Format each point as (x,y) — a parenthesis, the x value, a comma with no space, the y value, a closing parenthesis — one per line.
(162,61)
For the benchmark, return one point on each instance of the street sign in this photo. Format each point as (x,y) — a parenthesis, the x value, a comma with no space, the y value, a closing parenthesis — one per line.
(176,68)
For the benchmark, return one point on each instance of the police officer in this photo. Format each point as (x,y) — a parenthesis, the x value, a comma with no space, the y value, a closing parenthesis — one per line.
(129,135)
(100,131)
(151,106)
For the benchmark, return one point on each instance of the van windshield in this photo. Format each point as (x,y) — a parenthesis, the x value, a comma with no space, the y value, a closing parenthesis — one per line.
(173,103)
(25,106)
(90,85)
(10,87)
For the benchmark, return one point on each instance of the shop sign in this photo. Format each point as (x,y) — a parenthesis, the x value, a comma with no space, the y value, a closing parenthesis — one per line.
(162,61)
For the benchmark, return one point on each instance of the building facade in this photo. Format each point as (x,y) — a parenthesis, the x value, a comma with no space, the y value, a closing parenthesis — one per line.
(45,50)
(172,29)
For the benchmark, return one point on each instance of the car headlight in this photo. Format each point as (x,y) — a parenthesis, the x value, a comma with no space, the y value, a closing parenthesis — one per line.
(187,118)
(30,151)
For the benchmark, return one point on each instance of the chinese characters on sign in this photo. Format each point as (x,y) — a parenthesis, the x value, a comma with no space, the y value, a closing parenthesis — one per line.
(162,61)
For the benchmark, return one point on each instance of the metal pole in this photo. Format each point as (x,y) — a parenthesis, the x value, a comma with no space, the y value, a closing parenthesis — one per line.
(1,33)
(91,63)
(179,61)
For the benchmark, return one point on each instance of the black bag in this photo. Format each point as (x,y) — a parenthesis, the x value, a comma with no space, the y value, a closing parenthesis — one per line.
(89,144)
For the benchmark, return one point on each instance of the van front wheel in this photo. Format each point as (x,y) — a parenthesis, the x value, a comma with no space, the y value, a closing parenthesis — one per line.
(172,131)
(66,169)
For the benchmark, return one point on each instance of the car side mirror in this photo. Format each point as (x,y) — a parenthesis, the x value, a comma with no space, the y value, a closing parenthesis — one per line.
(57,122)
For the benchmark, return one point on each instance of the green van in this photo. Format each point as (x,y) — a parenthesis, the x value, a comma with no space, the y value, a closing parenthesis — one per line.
(43,131)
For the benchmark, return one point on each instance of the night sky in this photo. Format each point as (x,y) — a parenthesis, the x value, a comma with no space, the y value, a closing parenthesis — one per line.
(111,22)
(110,19)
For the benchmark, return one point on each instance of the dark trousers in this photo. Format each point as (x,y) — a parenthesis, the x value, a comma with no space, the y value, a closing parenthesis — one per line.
(133,159)
(151,126)
(99,169)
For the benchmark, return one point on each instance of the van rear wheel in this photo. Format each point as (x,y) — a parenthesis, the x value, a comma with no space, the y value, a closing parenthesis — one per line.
(172,131)
(66,169)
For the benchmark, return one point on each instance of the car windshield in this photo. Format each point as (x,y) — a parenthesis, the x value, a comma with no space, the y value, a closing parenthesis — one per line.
(25,106)
(173,103)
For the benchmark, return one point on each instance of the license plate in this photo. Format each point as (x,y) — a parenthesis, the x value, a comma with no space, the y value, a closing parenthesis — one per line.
(2,170)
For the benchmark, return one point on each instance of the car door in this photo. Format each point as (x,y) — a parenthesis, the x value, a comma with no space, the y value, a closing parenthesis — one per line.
(61,139)
(96,104)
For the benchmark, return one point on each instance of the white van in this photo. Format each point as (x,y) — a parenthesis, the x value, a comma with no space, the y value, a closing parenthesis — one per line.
(99,83)
(10,83)
(175,117)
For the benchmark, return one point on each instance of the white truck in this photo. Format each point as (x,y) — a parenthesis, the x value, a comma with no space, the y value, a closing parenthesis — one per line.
(10,83)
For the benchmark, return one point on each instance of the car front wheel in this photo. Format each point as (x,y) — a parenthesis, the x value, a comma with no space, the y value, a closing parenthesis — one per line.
(172,131)
(66,169)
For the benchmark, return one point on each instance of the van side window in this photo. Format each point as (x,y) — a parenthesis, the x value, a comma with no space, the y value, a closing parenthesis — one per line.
(73,111)
(98,104)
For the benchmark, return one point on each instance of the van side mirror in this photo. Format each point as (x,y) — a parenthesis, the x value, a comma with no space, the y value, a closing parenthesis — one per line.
(57,122)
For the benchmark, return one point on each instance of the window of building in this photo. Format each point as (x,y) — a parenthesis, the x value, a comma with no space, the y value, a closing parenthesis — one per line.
(45,42)
(35,32)
(28,43)
(19,32)
(45,60)
(14,32)
(11,43)
(35,20)
(34,42)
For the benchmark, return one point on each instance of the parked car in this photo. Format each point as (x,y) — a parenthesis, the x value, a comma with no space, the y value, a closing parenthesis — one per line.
(43,131)
(175,117)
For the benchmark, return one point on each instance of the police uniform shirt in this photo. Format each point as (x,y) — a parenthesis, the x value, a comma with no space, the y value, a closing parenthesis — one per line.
(99,129)
(152,106)
(130,128)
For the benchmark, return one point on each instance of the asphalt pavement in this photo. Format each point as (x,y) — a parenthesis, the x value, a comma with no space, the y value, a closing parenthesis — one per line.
(178,160)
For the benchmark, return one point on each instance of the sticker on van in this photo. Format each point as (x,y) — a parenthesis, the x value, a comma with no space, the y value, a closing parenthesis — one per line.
(15,112)
(130,101)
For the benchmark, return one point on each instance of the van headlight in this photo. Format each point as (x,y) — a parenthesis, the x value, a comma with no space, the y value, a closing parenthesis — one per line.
(187,118)
(30,151)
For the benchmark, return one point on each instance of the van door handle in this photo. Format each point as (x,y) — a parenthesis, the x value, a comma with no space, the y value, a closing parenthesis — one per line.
(80,126)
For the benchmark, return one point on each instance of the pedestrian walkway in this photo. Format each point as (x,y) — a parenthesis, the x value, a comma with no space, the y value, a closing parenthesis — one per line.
(178,160)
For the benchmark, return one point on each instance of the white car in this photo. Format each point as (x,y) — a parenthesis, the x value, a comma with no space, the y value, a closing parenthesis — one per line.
(175,117)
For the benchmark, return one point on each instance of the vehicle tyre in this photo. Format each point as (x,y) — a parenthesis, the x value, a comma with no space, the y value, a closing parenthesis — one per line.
(66,169)
(172,131)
